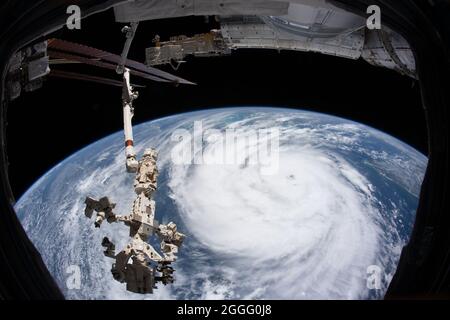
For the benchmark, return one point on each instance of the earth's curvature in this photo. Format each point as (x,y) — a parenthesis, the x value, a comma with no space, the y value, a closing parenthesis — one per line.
(340,203)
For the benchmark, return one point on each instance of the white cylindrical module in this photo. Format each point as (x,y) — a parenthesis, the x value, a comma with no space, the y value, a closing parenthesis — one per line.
(127,98)
(131,162)
(128,129)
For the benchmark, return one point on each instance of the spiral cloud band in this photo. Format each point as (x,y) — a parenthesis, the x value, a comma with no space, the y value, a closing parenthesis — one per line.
(312,221)
(288,204)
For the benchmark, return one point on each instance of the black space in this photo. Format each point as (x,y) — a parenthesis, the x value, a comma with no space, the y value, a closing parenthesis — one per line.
(47,125)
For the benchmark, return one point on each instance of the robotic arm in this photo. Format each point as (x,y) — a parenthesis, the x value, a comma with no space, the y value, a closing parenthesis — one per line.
(104,209)
(128,95)
(148,266)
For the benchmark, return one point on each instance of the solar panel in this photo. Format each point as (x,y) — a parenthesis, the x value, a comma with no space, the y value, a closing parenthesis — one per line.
(90,52)
(100,64)
(89,78)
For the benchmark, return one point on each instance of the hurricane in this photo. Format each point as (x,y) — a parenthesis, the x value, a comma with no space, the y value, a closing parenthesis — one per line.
(339,199)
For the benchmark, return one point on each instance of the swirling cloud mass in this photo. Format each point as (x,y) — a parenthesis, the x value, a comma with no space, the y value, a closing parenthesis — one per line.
(337,204)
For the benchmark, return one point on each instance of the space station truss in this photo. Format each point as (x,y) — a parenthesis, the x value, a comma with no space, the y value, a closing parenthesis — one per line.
(251,32)
(301,25)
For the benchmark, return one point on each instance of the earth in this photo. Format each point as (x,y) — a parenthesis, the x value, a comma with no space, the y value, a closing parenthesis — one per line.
(331,212)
